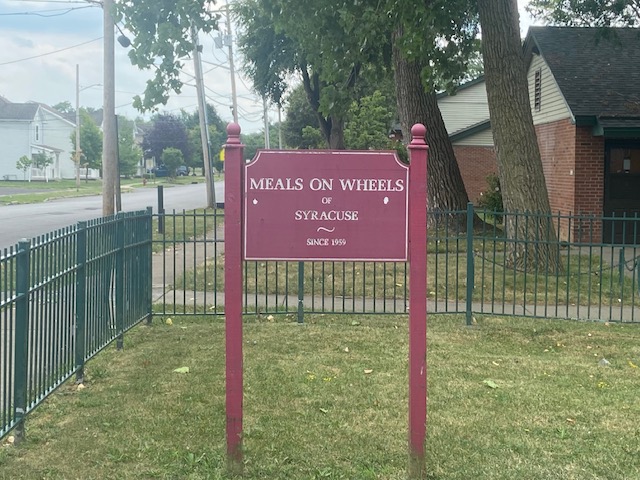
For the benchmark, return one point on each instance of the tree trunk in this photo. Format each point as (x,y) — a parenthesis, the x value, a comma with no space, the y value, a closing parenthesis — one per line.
(445,188)
(520,167)
(336,136)
(332,127)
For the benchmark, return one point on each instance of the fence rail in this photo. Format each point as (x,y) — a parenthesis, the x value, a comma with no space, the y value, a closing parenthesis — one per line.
(64,296)
(479,262)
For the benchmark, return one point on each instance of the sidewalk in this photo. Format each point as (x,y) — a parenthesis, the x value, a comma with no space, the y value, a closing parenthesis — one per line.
(166,264)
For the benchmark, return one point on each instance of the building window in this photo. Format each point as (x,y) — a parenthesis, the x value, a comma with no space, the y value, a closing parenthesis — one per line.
(537,90)
(37,133)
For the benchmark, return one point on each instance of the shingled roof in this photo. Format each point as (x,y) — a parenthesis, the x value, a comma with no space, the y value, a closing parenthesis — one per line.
(597,70)
(18,111)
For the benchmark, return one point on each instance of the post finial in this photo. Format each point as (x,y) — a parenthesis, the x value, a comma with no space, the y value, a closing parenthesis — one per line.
(233,133)
(418,132)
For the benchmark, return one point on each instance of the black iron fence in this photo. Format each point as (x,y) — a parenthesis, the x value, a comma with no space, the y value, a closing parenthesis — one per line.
(64,296)
(479,262)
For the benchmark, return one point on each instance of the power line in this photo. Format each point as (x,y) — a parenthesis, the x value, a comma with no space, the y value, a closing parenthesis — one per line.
(50,53)
(42,13)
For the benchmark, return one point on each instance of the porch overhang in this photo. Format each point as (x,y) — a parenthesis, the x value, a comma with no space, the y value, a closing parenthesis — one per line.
(613,127)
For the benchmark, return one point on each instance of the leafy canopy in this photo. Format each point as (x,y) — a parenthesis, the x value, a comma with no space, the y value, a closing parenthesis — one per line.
(162,37)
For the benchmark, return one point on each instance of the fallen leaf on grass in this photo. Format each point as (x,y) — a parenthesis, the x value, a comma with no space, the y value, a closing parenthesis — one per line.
(632,365)
(490,383)
(182,370)
(324,410)
(368,371)
(168,321)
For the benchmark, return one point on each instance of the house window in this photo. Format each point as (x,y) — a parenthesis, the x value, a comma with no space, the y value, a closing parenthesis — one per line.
(37,133)
(537,90)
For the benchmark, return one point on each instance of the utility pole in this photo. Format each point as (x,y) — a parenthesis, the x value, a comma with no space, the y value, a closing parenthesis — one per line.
(109,160)
(77,155)
(267,139)
(202,111)
(279,126)
(234,96)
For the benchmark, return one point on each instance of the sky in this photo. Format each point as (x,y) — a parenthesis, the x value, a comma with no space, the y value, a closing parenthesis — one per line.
(42,41)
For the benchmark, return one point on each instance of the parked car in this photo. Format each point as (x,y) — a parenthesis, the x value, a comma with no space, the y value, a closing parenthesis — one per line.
(163,171)
(160,171)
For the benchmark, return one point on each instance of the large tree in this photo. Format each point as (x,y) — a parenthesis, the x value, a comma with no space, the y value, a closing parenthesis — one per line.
(346,38)
(166,131)
(519,163)
(90,141)
(431,45)
(129,154)
(284,37)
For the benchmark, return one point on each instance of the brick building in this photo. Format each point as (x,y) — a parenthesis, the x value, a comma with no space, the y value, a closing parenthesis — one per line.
(584,89)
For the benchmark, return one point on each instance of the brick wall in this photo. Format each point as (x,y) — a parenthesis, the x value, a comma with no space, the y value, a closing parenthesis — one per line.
(557,150)
(573,163)
(475,164)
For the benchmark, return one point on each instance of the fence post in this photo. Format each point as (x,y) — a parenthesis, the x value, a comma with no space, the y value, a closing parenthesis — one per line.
(81,294)
(233,197)
(21,337)
(160,209)
(149,232)
(418,151)
(119,287)
(300,292)
(470,264)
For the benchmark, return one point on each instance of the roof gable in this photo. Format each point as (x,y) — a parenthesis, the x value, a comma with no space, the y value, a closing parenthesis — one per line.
(597,70)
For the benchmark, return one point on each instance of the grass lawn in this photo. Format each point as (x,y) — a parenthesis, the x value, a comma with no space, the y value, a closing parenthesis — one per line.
(508,399)
(44,191)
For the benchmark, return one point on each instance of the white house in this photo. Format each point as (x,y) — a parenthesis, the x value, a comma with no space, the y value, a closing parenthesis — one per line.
(27,129)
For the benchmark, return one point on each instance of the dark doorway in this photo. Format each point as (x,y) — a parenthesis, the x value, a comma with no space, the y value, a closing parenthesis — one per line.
(622,192)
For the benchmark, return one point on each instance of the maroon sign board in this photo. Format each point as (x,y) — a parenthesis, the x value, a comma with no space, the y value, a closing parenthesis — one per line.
(326,205)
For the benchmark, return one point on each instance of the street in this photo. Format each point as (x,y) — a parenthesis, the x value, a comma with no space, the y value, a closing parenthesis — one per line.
(27,221)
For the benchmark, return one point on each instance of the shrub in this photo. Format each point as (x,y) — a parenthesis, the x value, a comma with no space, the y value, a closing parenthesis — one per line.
(491,199)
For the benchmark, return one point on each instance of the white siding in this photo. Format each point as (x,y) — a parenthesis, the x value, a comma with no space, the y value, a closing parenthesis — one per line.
(466,108)
(480,139)
(552,104)
(56,132)
(15,138)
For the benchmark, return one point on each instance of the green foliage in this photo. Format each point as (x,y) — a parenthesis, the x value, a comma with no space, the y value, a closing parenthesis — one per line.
(90,141)
(312,137)
(252,142)
(23,164)
(161,30)
(491,199)
(172,158)
(587,13)
(299,114)
(130,154)
(368,124)
(64,107)
(166,131)
(217,135)
(41,160)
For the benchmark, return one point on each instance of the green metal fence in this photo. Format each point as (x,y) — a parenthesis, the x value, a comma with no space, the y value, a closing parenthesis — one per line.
(64,296)
(479,262)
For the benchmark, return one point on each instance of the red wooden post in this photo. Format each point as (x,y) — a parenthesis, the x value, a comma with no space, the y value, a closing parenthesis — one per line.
(417,301)
(233,198)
